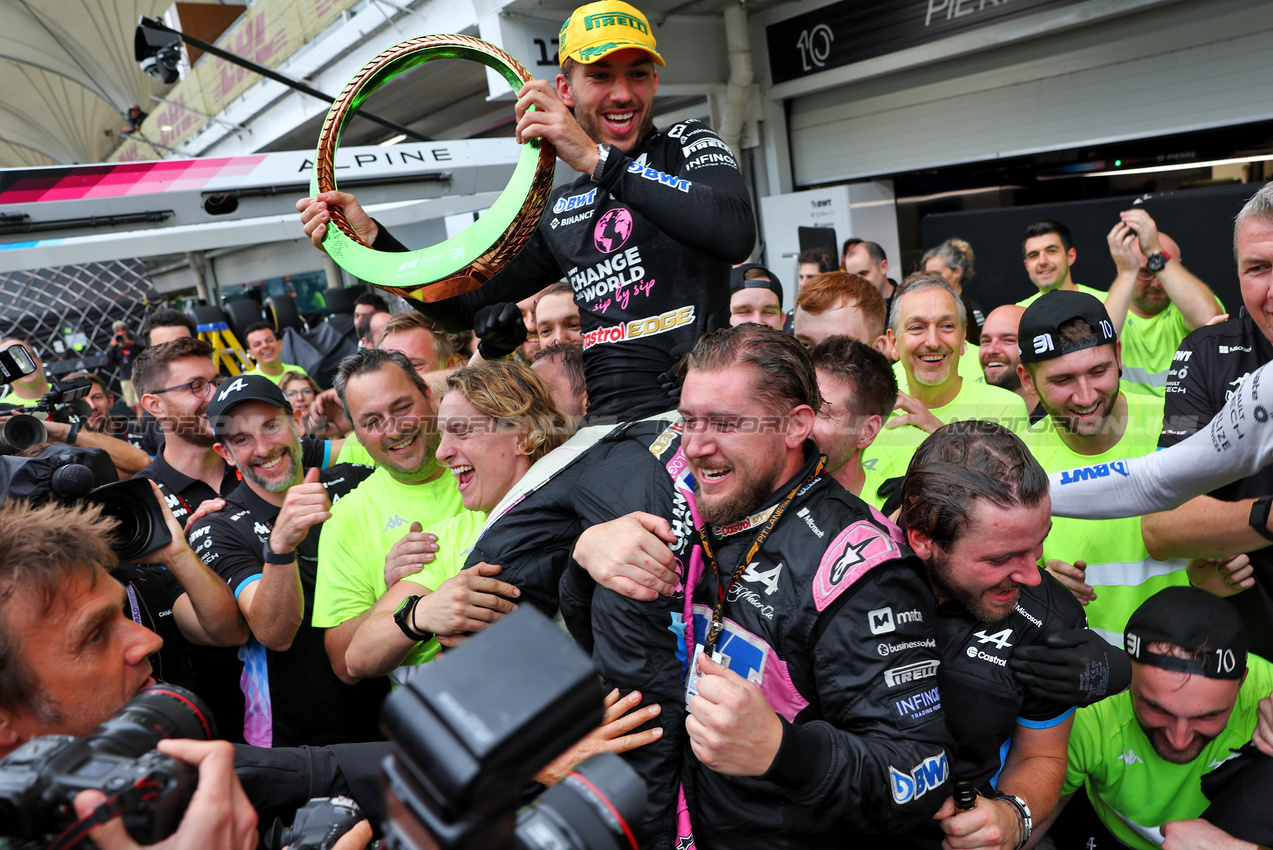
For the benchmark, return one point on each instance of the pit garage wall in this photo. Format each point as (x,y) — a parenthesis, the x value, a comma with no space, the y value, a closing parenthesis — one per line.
(1062,75)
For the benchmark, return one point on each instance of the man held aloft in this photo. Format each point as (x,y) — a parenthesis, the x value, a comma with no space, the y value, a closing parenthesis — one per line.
(680,219)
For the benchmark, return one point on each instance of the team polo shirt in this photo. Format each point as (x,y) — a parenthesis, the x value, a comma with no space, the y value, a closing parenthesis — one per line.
(287,367)
(1099,294)
(1149,344)
(1133,790)
(456,536)
(1119,567)
(891,452)
(293,698)
(363,528)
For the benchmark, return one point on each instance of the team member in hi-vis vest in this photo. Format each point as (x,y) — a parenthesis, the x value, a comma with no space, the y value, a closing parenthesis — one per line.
(1070,355)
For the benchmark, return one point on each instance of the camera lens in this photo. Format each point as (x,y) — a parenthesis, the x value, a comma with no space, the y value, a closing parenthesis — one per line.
(599,806)
(140,527)
(20,433)
(158,712)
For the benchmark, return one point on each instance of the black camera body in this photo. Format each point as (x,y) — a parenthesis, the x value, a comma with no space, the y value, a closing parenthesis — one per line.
(317,825)
(72,474)
(472,728)
(39,780)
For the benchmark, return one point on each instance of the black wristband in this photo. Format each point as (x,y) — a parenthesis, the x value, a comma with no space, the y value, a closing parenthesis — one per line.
(74,433)
(405,618)
(269,556)
(1259,519)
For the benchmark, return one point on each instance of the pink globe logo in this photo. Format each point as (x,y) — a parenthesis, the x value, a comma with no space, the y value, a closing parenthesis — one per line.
(613,230)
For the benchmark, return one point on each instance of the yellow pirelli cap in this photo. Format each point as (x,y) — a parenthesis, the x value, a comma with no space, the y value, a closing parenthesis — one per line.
(598,29)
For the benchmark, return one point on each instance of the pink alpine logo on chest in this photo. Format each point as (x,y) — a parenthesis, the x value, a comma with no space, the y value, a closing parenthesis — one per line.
(856,550)
(613,230)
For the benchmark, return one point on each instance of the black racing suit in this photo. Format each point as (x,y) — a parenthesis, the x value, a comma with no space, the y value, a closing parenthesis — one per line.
(984,702)
(1207,368)
(639,645)
(831,620)
(647,249)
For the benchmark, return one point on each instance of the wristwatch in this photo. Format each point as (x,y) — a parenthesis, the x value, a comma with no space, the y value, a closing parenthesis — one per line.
(1025,821)
(269,556)
(1259,518)
(1157,262)
(405,618)
(603,153)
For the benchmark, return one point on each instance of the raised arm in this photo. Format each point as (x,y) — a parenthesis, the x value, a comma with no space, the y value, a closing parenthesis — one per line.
(1236,444)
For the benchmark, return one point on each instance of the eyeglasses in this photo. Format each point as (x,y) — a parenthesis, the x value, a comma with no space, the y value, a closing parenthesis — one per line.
(199,387)
(301,393)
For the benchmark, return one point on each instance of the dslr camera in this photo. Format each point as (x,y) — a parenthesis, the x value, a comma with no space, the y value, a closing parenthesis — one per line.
(39,780)
(62,403)
(471,729)
(72,474)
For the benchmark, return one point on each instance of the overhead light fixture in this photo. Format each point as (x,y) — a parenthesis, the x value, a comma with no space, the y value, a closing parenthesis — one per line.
(1180,166)
(915,199)
(392,140)
(158,51)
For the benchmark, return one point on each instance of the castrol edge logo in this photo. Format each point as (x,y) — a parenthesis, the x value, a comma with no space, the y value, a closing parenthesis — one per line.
(650,326)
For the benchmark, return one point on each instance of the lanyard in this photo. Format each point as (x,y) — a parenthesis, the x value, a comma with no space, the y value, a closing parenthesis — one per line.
(135,609)
(715,627)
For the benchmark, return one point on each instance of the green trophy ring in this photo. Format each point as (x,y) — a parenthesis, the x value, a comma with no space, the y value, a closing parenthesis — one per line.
(471,258)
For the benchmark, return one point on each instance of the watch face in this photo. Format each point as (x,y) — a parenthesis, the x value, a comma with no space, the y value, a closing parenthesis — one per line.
(1156,262)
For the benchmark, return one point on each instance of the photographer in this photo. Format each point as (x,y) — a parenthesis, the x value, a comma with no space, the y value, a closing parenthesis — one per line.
(120,354)
(101,418)
(128,459)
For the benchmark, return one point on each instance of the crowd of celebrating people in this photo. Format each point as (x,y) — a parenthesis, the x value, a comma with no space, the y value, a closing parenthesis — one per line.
(836,562)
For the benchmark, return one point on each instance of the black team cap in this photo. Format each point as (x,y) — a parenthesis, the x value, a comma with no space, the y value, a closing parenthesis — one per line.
(1038,336)
(237,390)
(1193,619)
(736,281)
